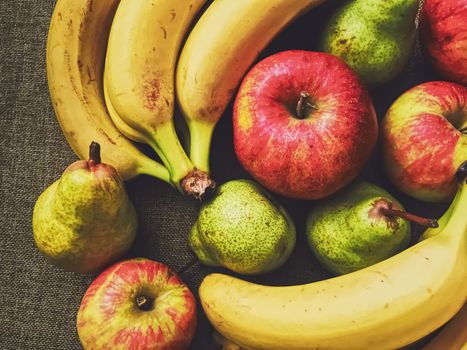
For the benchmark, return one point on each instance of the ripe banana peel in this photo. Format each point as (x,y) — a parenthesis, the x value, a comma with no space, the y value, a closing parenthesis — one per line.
(139,75)
(453,336)
(385,306)
(223,44)
(76,47)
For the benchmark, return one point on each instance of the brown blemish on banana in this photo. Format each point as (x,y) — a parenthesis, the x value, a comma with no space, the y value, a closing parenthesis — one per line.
(151,92)
(164,32)
(173,14)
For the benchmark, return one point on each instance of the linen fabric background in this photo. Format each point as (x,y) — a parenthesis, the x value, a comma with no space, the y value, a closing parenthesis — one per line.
(38,302)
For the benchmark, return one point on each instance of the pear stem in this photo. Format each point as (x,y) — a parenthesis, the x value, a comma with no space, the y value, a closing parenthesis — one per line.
(193,261)
(144,303)
(410,217)
(94,155)
(303,105)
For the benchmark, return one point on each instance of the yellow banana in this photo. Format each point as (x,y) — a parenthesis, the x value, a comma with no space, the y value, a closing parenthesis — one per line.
(139,77)
(76,49)
(385,306)
(221,47)
(453,336)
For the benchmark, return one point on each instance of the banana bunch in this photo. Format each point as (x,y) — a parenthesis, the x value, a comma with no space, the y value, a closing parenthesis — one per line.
(385,306)
(218,52)
(75,55)
(111,68)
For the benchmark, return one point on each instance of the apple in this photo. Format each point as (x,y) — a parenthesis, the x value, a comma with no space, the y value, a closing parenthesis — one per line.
(304,125)
(443,30)
(137,304)
(424,140)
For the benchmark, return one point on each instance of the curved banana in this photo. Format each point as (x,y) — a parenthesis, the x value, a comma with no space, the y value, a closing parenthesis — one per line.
(385,306)
(139,76)
(221,47)
(454,334)
(76,49)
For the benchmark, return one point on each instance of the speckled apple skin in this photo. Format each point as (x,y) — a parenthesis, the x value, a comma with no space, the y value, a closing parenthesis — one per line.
(422,141)
(374,37)
(109,319)
(443,30)
(243,229)
(306,158)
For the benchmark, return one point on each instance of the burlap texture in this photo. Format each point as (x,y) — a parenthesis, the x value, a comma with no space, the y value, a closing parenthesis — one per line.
(38,303)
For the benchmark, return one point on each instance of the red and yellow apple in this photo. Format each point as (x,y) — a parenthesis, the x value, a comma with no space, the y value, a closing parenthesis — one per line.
(137,304)
(304,125)
(424,140)
(443,30)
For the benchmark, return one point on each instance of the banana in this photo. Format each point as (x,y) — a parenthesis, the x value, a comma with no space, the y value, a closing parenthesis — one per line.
(385,306)
(76,47)
(223,44)
(139,78)
(453,336)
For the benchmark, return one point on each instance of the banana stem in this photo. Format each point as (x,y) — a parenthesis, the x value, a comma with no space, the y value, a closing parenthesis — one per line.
(94,155)
(167,145)
(200,144)
(152,168)
(410,217)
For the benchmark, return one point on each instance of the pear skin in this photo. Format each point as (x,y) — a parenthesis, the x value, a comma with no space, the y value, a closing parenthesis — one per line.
(243,229)
(349,231)
(374,37)
(85,220)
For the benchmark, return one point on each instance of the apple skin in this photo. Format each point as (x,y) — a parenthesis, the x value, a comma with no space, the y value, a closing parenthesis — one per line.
(109,317)
(443,30)
(422,141)
(308,158)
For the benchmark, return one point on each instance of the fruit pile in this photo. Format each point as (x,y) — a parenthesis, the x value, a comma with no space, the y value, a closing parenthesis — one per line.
(304,127)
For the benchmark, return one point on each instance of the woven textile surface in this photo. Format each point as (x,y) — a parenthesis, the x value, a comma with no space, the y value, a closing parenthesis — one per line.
(38,303)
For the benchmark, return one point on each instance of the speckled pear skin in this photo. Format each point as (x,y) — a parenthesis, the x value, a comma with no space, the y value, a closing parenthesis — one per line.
(84,220)
(243,229)
(346,234)
(374,37)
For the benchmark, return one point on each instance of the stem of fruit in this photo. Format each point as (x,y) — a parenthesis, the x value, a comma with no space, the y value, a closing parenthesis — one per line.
(188,265)
(200,144)
(144,303)
(304,105)
(409,217)
(94,155)
(150,167)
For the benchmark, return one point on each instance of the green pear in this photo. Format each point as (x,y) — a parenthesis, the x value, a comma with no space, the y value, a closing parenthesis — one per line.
(358,227)
(85,220)
(374,37)
(243,229)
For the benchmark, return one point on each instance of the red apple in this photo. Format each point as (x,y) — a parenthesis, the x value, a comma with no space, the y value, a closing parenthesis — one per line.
(424,135)
(137,304)
(443,30)
(304,125)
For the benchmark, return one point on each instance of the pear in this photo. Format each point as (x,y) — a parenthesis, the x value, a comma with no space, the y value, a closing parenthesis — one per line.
(374,37)
(85,220)
(358,227)
(244,229)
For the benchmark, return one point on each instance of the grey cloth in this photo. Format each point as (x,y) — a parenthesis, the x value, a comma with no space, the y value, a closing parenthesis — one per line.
(38,302)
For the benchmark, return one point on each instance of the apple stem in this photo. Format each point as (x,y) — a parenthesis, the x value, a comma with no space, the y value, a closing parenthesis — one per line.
(94,155)
(143,302)
(410,217)
(303,104)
